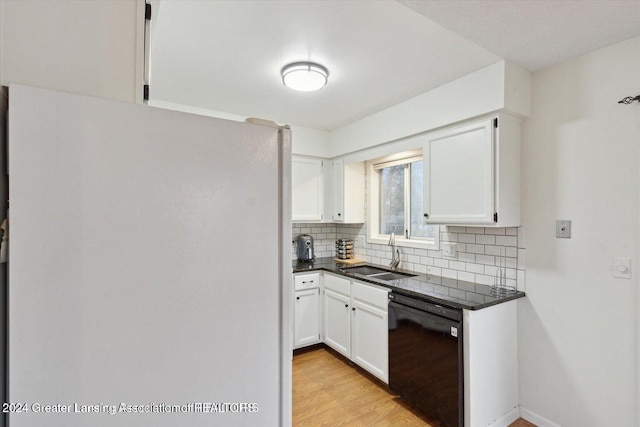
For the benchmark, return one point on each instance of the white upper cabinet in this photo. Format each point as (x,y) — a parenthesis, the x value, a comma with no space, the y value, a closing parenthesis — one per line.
(458,182)
(347,191)
(327,191)
(307,189)
(472,174)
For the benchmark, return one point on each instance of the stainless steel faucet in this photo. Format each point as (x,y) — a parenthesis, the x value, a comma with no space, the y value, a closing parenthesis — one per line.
(395,253)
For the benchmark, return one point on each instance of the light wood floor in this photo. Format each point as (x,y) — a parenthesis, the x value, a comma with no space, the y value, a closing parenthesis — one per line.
(330,391)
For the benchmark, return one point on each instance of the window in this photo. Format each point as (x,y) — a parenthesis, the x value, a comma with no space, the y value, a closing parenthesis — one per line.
(395,202)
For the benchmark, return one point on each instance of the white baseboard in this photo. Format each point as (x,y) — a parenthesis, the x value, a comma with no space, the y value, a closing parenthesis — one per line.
(507,418)
(536,419)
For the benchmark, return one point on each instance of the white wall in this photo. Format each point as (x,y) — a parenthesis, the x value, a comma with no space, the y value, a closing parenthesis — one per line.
(310,142)
(305,141)
(85,47)
(578,326)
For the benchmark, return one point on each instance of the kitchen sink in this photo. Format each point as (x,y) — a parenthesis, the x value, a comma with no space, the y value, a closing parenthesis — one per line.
(390,276)
(365,270)
(377,273)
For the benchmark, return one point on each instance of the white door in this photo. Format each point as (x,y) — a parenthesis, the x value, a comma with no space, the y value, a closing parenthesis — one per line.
(337,326)
(129,230)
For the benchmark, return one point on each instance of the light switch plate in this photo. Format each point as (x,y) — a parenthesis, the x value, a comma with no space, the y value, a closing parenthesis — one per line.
(563,229)
(622,268)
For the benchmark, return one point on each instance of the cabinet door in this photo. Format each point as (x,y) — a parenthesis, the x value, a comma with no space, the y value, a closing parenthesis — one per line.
(459,175)
(307,318)
(353,192)
(347,192)
(337,172)
(307,188)
(369,346)
(337,326)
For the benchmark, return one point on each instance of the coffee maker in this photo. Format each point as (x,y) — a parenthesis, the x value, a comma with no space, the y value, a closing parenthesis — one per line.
(304,245)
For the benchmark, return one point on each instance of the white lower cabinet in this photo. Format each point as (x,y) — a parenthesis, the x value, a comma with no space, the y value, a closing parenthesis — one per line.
(337,318)
(491,365)
(307,327)
(307,318)
(355,323)
(369,329)
(336,314)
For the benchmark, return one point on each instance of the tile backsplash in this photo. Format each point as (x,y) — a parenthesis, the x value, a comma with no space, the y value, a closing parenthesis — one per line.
(480,251)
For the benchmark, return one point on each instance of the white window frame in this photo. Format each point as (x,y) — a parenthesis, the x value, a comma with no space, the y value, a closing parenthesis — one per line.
(373,204)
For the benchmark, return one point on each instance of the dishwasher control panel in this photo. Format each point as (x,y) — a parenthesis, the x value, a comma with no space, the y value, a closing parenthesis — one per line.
(429,307)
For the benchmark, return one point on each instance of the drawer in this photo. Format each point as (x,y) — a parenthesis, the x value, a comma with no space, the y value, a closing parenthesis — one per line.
(370,294)
(337,284)
(306,281)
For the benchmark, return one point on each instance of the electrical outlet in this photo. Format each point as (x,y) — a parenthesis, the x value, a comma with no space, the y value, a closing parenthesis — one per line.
(449,250)
(563,229)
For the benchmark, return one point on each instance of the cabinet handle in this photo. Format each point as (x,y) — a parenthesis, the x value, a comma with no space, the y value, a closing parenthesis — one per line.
(297,297)
(310,281)
(346,306)
(354,309)
(339,214)
(426,215)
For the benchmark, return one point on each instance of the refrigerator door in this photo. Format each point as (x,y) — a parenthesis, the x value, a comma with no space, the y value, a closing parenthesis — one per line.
(130,296)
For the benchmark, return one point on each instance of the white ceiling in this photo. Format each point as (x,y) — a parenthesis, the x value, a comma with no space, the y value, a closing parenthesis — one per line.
(227,55)
(536,33)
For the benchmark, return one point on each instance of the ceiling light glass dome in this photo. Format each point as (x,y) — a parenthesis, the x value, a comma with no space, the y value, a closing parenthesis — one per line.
(304,76)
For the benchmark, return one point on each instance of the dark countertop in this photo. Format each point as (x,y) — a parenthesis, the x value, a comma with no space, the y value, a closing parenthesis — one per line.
(442,290)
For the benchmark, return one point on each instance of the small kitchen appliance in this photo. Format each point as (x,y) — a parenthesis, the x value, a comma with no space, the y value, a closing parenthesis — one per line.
(304,245)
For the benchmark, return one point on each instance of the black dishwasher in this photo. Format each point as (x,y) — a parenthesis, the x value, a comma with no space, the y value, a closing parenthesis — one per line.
(425,357)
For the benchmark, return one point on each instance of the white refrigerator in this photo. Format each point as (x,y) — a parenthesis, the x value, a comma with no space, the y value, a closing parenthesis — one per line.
(149,266)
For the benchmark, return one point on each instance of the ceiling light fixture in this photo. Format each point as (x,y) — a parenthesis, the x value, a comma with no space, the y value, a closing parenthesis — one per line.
(304,76)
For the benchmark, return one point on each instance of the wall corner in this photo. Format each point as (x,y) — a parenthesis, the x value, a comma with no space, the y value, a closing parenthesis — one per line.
(517,90)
